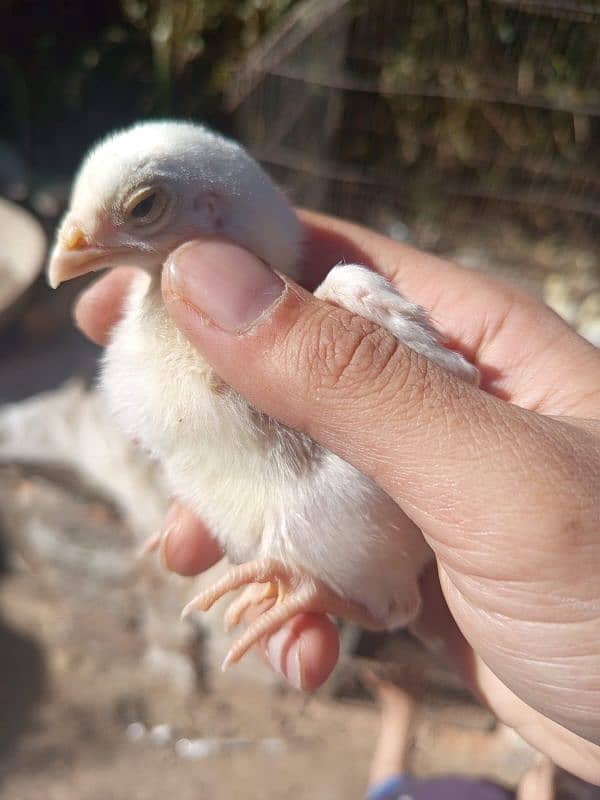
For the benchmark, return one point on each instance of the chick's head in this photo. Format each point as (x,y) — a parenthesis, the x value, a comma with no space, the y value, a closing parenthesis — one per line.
(144,191)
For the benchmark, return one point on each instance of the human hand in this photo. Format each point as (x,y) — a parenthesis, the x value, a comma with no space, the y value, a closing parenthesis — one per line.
(503,482)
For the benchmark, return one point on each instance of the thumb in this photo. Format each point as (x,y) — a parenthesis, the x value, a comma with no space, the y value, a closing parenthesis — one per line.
(343,380)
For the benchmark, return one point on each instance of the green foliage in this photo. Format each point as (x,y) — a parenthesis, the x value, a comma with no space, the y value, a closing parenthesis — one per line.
(496,76)
(179,31)
(471,91)
(477,96)
(70,71)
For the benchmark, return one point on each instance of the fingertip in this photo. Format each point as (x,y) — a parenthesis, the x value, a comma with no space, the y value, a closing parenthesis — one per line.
(187,547)
(304,651)
(99,307)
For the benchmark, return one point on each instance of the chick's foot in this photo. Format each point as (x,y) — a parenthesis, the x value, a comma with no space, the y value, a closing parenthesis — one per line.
(254,599)
(277,593)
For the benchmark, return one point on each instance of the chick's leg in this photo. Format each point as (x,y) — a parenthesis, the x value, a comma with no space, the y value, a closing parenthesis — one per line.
(283,593)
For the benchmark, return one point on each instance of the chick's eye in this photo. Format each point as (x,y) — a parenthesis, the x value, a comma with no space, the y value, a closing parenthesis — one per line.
(146,206)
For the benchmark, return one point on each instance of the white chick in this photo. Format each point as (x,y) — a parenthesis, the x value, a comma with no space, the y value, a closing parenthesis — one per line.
(309,531)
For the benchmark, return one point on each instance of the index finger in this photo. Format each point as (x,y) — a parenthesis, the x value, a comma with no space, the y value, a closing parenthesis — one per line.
(101,306)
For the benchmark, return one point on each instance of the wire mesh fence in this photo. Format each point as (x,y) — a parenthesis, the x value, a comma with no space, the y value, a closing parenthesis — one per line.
(422,111)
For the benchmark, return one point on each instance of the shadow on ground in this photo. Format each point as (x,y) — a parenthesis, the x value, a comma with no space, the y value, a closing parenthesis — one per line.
(23,684)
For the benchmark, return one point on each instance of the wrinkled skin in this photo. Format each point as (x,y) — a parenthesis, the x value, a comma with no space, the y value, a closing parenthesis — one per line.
(504,481)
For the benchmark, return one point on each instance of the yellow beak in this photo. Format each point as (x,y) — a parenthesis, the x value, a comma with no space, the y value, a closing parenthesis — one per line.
(73,255)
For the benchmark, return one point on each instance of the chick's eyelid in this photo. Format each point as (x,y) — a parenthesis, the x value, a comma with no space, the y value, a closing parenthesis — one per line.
(155,209)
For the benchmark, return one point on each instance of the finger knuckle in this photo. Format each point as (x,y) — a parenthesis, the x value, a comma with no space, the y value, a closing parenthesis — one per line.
(349,354)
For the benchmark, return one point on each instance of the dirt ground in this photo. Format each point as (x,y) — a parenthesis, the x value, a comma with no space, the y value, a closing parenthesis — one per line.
(74,684)
(76,701)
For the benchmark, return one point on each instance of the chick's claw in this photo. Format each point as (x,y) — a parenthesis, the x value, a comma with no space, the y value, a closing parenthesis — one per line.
(282,594)
(260,571)
(151,545)
(260,596)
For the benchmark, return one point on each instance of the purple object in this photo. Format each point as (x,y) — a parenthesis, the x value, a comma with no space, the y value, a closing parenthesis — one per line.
(404,787)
